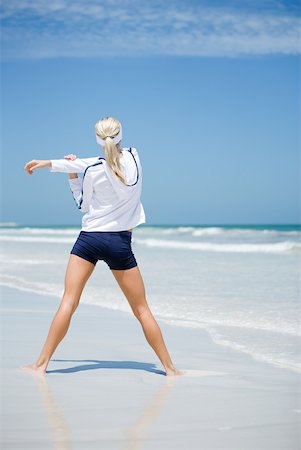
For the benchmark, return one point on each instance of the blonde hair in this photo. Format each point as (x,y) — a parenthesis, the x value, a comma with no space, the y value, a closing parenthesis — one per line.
(107,128)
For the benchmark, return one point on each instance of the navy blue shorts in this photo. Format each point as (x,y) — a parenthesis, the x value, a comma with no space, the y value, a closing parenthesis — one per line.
(113,247)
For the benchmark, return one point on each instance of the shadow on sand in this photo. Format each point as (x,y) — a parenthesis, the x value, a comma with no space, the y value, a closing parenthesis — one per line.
(93,364)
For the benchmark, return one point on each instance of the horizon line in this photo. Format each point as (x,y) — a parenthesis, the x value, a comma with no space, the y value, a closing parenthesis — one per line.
(14,224)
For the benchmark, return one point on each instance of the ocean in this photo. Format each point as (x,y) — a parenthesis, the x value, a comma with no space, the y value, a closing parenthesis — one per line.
(239,283)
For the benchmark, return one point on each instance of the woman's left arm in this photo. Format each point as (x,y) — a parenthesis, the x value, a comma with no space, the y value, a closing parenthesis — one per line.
(61,165)
(77,165)
(37,164)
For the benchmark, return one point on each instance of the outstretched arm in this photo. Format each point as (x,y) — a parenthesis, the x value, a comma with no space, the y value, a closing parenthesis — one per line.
(77,165)
(61,165)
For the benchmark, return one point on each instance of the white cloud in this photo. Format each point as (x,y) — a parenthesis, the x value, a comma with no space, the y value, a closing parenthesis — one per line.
(97,28)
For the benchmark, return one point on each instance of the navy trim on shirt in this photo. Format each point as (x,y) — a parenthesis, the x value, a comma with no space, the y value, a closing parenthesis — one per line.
(130,150)
(96,164)
(82,194)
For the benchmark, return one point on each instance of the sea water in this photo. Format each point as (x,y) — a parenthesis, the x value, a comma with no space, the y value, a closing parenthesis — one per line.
(240,283)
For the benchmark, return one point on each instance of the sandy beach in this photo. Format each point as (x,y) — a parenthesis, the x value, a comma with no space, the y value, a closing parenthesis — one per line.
(105,388)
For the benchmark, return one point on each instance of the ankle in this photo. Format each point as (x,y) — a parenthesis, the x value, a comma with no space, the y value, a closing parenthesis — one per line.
(169,367)
(41,363)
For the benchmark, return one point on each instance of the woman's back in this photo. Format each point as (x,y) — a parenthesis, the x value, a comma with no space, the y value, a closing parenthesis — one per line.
(109,204)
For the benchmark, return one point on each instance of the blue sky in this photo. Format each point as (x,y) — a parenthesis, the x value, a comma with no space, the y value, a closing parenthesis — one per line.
(208,92)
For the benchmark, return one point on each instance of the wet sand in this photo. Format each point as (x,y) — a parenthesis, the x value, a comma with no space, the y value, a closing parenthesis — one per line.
(105,387)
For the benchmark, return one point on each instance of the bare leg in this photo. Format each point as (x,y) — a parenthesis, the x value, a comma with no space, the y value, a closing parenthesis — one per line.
(77,274)
(131,284)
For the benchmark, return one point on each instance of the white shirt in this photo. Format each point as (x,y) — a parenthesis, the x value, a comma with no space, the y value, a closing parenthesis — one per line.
(109,204)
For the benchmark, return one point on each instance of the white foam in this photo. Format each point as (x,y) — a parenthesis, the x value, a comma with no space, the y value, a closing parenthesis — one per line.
(27,289)
(277,247)
(53,240)
(277,361)
(175,230)
(62,231)
(34,262)
(216,231)
(210,231)
(21,284)
(281,326)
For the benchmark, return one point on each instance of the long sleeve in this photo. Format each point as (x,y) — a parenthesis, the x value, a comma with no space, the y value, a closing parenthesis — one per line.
(82,191)
(77,165)
(76,189)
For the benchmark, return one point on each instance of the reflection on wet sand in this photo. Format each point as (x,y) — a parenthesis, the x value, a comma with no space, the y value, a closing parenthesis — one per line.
(136,434)
(61,434)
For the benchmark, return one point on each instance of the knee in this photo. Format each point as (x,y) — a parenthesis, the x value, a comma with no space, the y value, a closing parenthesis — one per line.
(140,311)
(68,305)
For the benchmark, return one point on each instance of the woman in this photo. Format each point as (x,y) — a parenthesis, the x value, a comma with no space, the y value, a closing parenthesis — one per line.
(109,194)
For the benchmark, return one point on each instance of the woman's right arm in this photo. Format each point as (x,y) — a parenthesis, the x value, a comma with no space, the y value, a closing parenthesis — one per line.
(75,183)
(71,157)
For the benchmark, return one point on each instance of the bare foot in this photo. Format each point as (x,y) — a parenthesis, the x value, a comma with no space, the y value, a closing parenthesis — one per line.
(173,372)
(32,368)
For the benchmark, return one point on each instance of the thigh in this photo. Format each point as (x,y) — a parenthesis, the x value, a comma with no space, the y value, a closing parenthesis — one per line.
(132,285)
(77,274)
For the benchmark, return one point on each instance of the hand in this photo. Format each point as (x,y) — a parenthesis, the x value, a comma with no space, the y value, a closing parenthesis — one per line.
(70,157)
(36,164)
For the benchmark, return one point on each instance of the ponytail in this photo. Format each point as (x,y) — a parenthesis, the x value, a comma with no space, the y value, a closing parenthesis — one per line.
(109,135)
(112,155)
